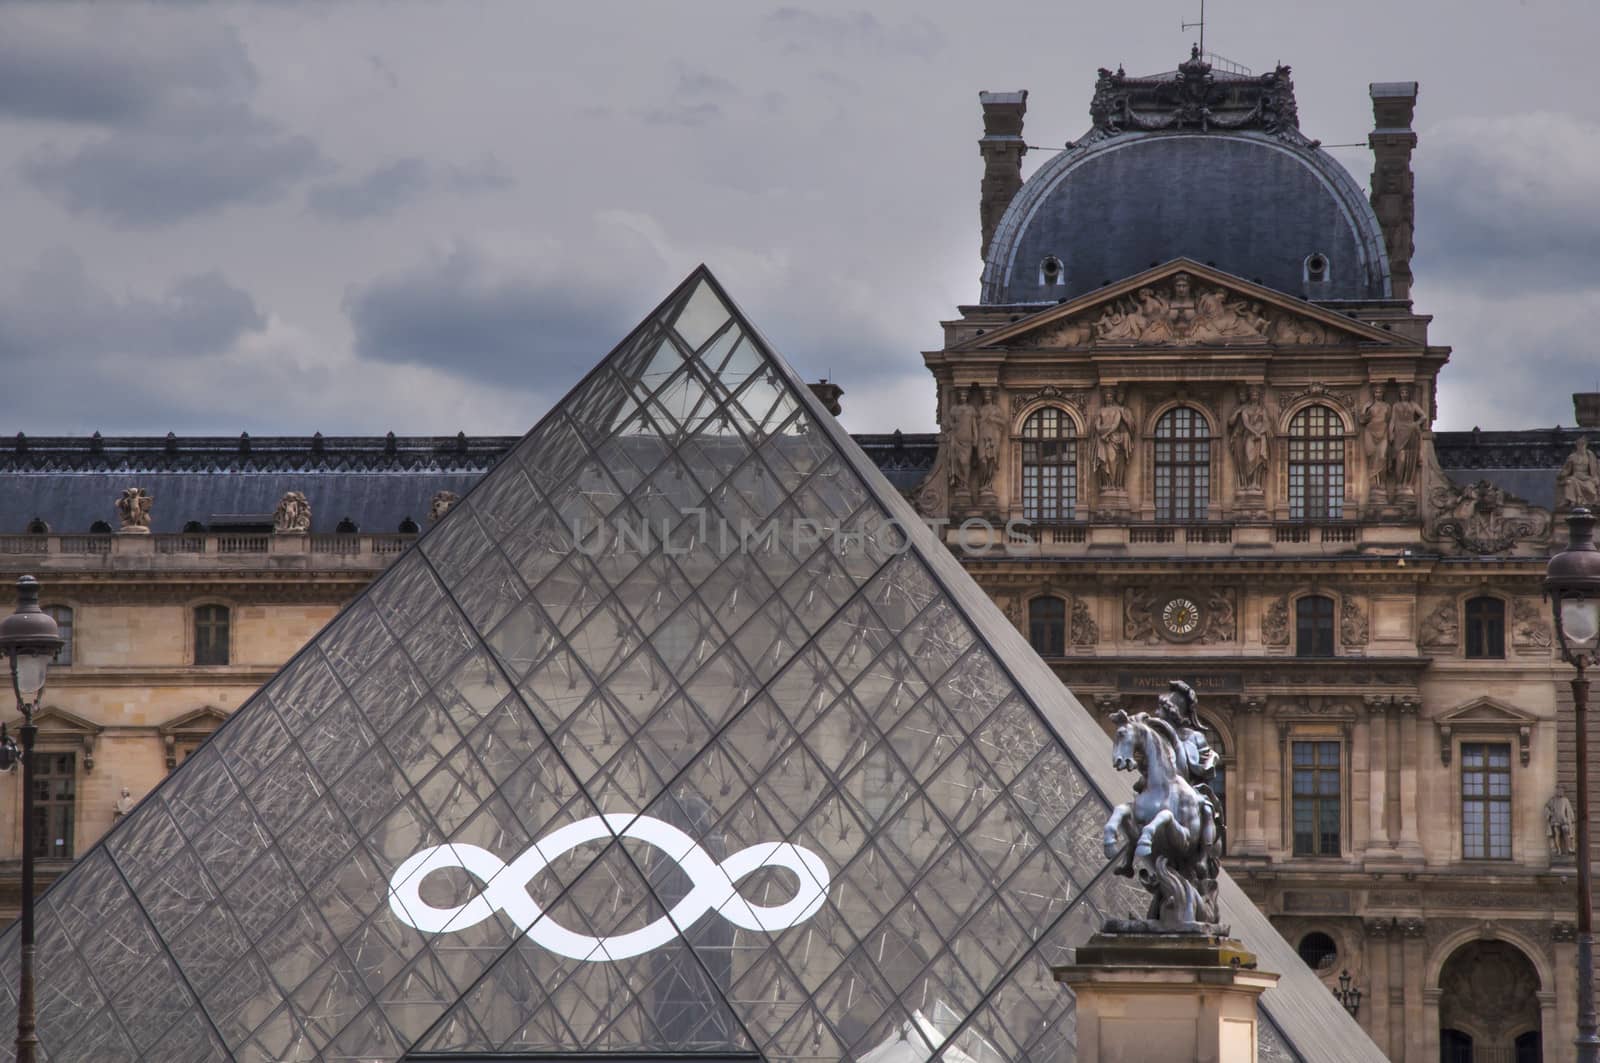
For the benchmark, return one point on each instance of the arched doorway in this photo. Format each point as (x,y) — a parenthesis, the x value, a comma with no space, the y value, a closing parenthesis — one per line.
(1489,1006)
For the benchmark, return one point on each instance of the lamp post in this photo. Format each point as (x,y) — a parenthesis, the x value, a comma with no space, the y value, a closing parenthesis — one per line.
(1572,582)
(29,639)
(1348,995)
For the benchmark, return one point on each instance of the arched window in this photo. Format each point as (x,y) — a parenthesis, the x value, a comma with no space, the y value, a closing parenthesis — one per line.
(211,634)
(1486,628)
(1183,465)
(1313,626)
(1047,625)
(1316,465)
(62,615)
(1049,466)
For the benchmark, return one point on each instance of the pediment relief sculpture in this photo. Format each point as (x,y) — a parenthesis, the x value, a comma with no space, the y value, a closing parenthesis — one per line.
(1352,622)
(1530,625)
(1275,622)
(1182,311)
(1085,632)
(1441,626)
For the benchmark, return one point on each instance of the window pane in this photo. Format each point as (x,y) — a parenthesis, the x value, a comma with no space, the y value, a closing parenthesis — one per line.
(1047,619)
(211,634)
(1314,626)
(1182,465)
(1316,465)
(55,799)
(1316,794)
(1049,466)
(1486,628)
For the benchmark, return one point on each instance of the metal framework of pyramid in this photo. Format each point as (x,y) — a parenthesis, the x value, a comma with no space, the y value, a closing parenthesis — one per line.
(678,734)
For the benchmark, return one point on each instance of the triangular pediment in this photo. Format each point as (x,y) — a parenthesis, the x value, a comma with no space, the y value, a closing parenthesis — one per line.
(54,720)
(1486,710)
(1183,304)
(678,735)
(203,720)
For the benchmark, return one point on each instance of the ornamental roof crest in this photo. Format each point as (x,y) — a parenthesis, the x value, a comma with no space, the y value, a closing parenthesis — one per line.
(1195,97)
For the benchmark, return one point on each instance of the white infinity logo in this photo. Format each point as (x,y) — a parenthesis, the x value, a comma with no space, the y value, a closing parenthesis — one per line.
(505,887)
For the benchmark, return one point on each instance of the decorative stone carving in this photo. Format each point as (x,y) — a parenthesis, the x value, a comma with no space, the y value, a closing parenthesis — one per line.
(1067,334)
(293,514)
(1139,616)
(1176,313)
(1530,626)
(993,428)
(1407,420)
(1558,820)
(1219,623)
(1112,433)
(124,805)
(442,501)
(1442,626)
(1085,632)
(1170,836)
(1345,397)
(1352,622)
(1078,398)
(1192,99)
(133,510)
(1275,622)
(1482,519)
(1578,482)
(1291,330)
(1249,432)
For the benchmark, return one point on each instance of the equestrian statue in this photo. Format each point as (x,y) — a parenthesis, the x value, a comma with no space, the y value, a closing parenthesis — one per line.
(1170,836)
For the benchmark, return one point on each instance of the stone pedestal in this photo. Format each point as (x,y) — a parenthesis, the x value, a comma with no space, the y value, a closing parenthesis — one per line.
(1165,996)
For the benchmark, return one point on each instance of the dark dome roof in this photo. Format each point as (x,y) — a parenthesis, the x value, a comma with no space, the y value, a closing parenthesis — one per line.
(1196,163)
(1253,204)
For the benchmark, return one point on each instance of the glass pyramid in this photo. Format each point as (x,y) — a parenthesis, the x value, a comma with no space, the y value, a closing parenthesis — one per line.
(677,735)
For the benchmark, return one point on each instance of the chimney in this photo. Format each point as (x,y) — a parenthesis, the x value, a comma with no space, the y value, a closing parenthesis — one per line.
(1393,187)
(827,393)
(1586,405)
(1002,150)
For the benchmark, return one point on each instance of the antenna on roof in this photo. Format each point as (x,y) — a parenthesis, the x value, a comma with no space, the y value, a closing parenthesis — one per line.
(1201,25)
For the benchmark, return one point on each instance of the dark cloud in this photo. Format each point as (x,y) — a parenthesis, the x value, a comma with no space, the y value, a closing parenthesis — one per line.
(796,29)
(58,315)
(114,78)
(179,135)
(1506,205)
(394,185)
(469,314)
(196,165)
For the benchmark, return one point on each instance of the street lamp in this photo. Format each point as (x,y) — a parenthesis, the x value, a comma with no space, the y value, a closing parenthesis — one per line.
(29,639)
(1349,996)
(1572,582)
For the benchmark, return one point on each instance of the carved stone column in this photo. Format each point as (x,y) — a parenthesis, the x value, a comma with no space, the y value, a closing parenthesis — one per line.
(1252,770)
(1378,840)
(1377,949)
(1414,948)
(1407,706)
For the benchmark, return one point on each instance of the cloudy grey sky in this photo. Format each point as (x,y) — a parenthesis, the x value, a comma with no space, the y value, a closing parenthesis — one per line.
(361,216)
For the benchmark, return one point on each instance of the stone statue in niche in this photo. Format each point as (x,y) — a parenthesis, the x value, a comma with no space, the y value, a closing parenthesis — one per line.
(124,805)
(1249,430)
(1558,819)
(293,514)
(992,431)
(1375,435)
(1170,836)
(1112,433)
(440,505)
(133,510)
(1407,419)
(1578,482)
(962,430)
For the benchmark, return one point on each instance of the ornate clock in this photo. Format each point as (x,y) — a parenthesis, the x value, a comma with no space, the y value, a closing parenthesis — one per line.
(1180,618)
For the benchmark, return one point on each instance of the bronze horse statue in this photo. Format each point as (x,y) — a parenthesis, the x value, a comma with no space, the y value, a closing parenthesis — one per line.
(1169,835)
